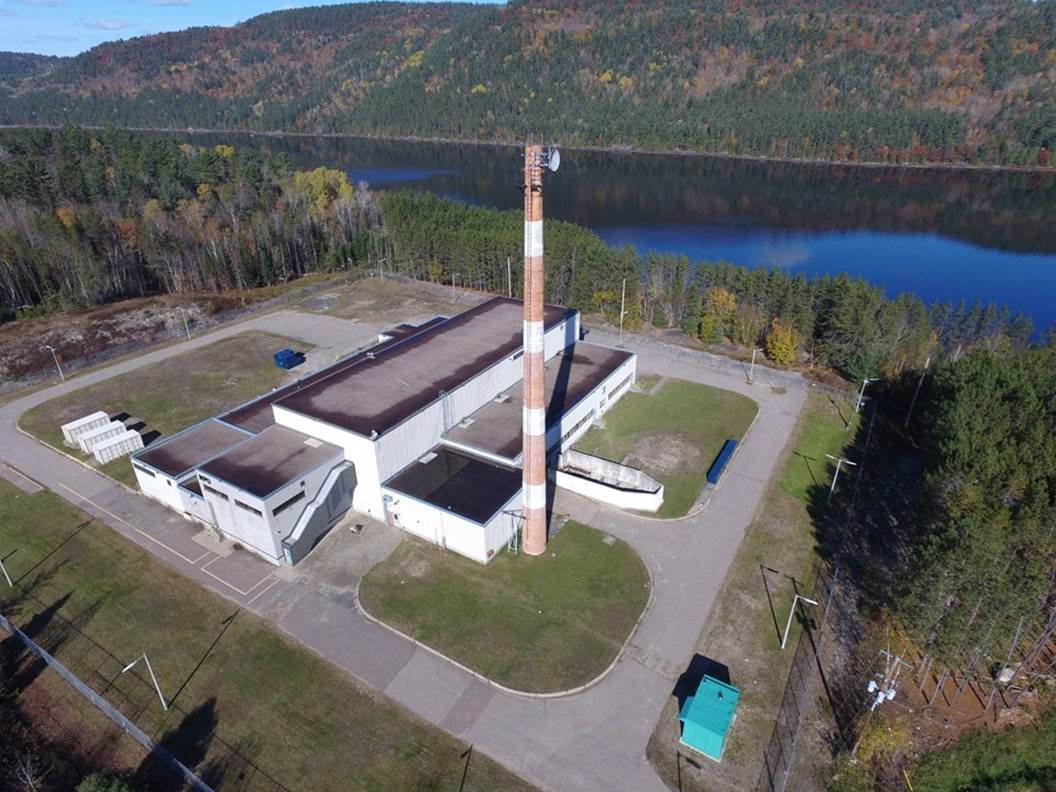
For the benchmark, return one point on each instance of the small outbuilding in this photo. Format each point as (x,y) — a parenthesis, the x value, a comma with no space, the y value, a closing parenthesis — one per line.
(708,716)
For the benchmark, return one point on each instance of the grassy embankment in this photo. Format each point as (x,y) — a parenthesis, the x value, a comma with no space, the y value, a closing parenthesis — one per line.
(776,558)
(673,434)
(535,624)
(170,396)
(231,676)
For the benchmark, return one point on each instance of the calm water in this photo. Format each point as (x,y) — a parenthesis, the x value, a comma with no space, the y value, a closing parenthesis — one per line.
(946,235)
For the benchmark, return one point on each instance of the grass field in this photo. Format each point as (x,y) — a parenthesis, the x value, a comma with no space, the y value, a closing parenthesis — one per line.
(171,396)
(97,601)
(673,435)
(743,632)
(535,624)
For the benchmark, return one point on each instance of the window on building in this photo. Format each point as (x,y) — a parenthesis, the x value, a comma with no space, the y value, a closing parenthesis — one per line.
(247,507)
(287,504)
(578,425)
(215,492)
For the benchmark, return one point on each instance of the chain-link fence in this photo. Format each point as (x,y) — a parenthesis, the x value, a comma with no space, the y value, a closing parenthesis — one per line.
(796,702)
(171,332)
(186,742)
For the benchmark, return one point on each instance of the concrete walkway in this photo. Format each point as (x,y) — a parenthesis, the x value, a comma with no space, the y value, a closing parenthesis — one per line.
(593,740)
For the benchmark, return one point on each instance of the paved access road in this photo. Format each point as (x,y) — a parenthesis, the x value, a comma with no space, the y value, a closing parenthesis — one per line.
(592,740)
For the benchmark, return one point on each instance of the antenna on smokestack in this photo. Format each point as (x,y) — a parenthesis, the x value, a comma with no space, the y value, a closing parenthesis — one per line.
(536,160)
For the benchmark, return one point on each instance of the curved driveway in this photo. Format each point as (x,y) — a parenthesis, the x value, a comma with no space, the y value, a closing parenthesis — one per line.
(593,740)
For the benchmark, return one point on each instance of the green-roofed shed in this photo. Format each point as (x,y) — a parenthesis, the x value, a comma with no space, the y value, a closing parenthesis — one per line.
(708,716)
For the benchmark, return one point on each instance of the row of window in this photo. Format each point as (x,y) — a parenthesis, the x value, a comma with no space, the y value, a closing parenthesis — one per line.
(578,425)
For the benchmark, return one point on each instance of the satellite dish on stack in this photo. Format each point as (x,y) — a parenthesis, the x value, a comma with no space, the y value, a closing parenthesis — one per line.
(553,159)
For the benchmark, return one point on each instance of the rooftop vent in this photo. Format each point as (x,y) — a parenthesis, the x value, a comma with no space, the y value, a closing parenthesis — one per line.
(427,458)
(465,423)
(312,442)
(502,398)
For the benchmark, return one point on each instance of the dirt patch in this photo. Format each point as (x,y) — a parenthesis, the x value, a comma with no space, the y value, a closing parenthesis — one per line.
(388,302)
(663,453)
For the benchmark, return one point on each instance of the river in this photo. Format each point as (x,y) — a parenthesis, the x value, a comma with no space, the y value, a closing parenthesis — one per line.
(944,234)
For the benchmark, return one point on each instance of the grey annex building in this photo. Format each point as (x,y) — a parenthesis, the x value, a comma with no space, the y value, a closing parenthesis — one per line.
(422,430)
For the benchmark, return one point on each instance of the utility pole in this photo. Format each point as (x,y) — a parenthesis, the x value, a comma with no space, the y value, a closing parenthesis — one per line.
(153,678)
(916,393)
(840,461)
(623,302)
(795,601)
(509,278)
(884,690)
(183,315)
(861,393)
(56,359)
(381,269)
(751,368)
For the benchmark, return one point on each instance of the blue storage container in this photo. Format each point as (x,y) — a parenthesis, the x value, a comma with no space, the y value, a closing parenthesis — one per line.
(288,359)
(715,471)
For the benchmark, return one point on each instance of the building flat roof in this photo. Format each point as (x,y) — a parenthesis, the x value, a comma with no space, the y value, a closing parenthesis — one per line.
(265,462)
(257,415)
(466,485)
(183,452)
(571,375)
(389,385)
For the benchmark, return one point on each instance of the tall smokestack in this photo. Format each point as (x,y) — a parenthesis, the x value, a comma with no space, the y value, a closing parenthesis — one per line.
(534,416)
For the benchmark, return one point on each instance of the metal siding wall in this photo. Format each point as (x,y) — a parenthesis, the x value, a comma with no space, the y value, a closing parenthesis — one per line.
(159,489)
(440,527)
(591,402)
(360,451)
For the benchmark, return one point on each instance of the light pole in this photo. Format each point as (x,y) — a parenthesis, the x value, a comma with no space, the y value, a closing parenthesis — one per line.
(453,276)
(751,368)
(55,357)
(916,393)
(3,567)
(183,315)
(840,461)
(795,600)
(623,302)
(861,393)
(381,268)
(150,670)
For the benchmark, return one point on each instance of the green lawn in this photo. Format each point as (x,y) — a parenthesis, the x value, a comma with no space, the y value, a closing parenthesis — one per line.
(301,721)
(673,435)
(540,624)
(172,395)
(742,630)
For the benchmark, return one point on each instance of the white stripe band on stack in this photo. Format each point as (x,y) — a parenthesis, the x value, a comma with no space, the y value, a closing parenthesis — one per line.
(535,496)
(535,421)
(534,335)
(533,238)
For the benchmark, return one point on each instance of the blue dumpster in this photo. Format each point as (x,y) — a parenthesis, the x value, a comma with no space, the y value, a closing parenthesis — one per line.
(288,359)
(715,471)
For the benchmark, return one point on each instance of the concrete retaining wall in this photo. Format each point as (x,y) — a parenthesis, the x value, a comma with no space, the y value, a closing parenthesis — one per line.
(609,482)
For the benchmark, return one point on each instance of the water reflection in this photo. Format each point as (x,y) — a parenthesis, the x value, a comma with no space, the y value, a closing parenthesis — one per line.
(944,234)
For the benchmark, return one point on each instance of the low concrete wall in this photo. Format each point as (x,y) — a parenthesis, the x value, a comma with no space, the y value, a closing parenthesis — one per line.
(608,482)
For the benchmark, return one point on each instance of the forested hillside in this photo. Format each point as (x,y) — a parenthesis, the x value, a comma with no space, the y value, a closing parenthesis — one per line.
(892,81)
(16,66)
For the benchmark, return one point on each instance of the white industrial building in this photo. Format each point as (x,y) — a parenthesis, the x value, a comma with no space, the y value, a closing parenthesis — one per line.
(422,430)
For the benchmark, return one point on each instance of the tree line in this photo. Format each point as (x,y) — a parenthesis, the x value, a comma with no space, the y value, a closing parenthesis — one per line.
(91,217)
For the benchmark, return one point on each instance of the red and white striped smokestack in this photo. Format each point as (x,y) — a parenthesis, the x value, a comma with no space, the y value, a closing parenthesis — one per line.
(534,415)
